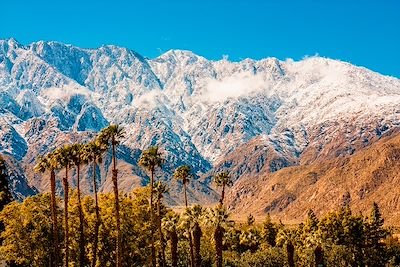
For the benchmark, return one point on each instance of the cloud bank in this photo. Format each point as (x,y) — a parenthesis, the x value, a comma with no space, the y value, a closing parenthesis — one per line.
(233,87)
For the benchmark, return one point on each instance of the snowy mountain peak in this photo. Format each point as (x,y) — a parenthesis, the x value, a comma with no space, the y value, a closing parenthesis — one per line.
(197,110)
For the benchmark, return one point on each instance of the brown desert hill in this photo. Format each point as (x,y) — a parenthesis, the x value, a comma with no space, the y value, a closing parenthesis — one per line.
(369,175)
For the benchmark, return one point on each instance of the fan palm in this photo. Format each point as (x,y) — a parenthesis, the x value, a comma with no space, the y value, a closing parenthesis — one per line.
(218,218)
(112,135)
(183,174)
(223,179)
(63,156)
(77,158)
(287,237)
(159,190)
(192,218)
(44,164)
(93,152)
(170,224)
(150,159)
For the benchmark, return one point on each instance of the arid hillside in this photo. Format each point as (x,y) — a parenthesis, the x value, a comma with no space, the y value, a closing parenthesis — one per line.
(371,174)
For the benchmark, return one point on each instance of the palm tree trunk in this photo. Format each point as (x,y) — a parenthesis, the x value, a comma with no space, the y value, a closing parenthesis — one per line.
(54,215)
(319,256)
(160,233)
(97,224)
(197,241)
(81,236)
(115,182)
(174,248)
(190,234)
(290,254)
(66,227)
(184,190)
(221,201)
(153,250)
(218,235)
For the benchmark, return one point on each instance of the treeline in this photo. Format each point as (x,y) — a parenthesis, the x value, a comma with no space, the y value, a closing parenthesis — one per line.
(138,229)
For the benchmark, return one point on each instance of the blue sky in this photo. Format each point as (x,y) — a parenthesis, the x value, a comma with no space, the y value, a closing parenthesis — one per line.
(363,32)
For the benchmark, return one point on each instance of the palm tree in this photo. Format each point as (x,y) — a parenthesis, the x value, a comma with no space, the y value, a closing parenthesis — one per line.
(150,159)
(223,179)
(160,189)
(218,218)
(77,158)
(183,173)
(93,152)
(192,218)
(113,135)
(170,224)
(287,237)
(44,164)
(62,156)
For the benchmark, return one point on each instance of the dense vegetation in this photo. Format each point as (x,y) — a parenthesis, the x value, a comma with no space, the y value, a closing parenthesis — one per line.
(137,229)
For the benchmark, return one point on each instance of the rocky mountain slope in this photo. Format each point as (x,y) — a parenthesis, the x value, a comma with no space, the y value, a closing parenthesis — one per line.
(200,112)
(369,175)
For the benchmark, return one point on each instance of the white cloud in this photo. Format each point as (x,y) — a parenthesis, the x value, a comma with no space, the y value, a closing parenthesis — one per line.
(234,86)
(147,99)
(54,93)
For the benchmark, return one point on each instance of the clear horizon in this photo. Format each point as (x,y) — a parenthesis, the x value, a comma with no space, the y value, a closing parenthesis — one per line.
(363,33)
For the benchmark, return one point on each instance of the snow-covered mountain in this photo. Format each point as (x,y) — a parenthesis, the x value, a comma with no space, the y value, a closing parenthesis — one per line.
(197,110)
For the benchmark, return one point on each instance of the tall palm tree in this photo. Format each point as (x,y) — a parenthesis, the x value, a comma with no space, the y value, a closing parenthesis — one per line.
(160,189)
(112,135)
(223,179)
(193,217)
(48,163)
(183,174)
(93,152)
(218,218)
(77,158)
(63,158)
(170,224)
(150,159)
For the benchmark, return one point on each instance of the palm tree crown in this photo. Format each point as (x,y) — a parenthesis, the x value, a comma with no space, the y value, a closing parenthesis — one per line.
(183,173)
(223,179)
(151,158)
(111,135)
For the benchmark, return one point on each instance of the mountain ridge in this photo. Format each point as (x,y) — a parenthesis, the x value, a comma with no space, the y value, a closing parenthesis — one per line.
(198,110)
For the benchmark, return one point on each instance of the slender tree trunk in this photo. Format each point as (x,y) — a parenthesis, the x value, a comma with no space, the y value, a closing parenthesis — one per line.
(221,201)
(97,224)
(160,233)
(319,256)
(290,254)
(54,217)
(190,234)
(66,227)
(184,190)
(197,241)
(174,248)
(81,234)
(115,182)
(218,237)
(153,250)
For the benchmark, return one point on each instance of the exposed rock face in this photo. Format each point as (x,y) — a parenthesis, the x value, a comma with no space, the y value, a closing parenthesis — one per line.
(253,117)
(369,175)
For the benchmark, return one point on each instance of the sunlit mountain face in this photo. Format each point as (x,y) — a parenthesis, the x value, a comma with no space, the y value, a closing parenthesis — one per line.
(252,117)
